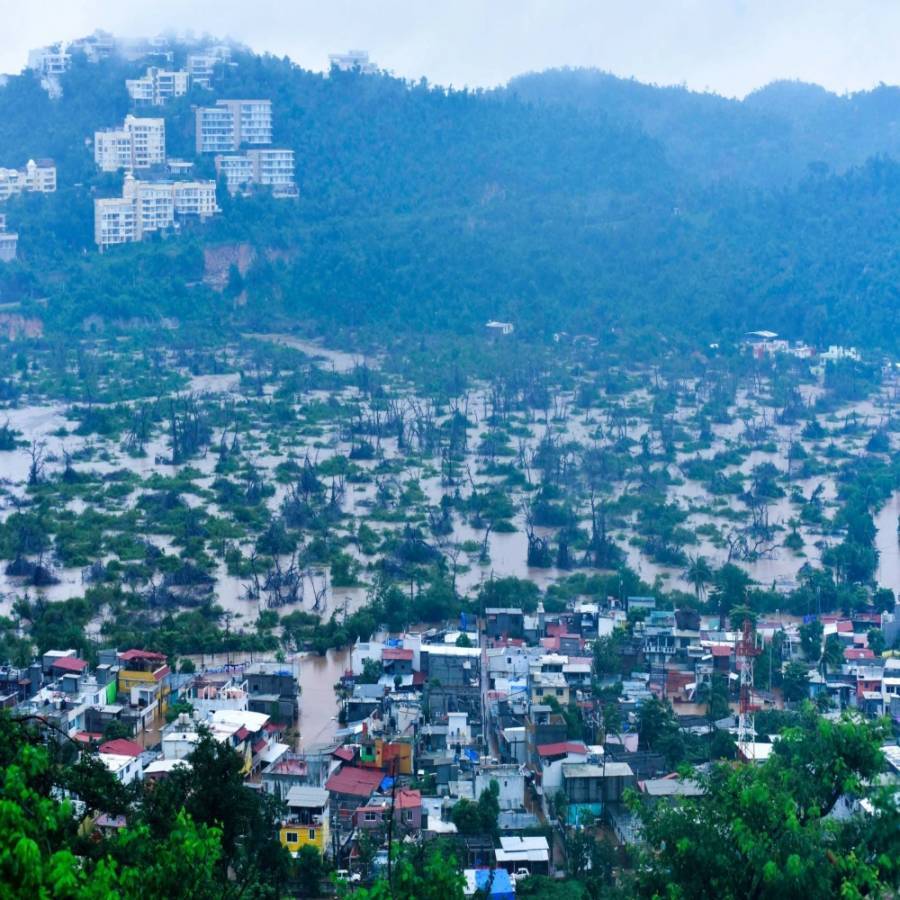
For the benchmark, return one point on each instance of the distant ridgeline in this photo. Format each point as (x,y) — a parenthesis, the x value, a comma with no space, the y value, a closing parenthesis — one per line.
(569,201)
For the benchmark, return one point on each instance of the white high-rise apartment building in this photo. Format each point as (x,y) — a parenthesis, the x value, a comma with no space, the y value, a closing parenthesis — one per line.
(271,167)
(52,60)
(139,144)
(353,59)
(158,86)
(230,124)
(115,222)
(9,244)
(275,169)
(195,198)
(254,120)
(149,139)
(149,206)
(236,169)
(202,64)
(40,176)
(49,64)
(37,176)
(99,45)
(113,149)
(154,205)
(215,130)
(9,241)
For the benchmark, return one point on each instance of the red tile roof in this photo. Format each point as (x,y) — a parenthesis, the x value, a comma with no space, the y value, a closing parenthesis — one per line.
(403,799)
(122,747)
(398,653)
(69,664)
(418,678)
(721,650)
(561,747)
(260,745)
(344,753)
(407,799)
(355,782)
(242,734)
(859,653)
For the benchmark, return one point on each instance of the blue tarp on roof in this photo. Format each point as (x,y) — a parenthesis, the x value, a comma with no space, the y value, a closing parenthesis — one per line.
(387,783)
(471,754)
(501,884)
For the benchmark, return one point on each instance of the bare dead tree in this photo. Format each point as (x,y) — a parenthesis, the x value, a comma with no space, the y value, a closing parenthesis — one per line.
(37,454)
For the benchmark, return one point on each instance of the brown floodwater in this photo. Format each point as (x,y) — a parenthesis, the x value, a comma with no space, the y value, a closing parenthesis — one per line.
(317,676)
(888,543)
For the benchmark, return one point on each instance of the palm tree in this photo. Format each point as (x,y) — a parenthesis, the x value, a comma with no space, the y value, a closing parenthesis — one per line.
(699,573)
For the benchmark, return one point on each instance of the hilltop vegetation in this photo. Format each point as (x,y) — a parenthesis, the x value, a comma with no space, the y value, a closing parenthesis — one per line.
(569,201)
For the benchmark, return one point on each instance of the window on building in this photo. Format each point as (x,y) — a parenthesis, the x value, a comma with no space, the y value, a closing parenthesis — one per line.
(407,815)
(371,817)
(312,834)
(559,692)
(292,837)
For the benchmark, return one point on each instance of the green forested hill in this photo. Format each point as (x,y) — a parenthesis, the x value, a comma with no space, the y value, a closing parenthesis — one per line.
(570,200)
(777,135)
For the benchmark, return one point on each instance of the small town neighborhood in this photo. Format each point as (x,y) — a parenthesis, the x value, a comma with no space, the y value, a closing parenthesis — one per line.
(430,724)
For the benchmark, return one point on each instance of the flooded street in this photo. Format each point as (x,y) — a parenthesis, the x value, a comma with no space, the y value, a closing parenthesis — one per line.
(317,676)
(888,544)
(318,702)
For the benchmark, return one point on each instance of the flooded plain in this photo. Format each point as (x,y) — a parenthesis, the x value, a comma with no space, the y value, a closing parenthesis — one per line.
(475,479)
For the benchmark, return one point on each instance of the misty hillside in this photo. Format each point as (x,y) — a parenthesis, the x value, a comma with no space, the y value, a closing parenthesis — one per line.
(771,137)
(572,200)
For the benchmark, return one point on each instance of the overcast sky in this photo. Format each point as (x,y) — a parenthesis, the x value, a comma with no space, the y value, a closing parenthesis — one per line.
(730,46)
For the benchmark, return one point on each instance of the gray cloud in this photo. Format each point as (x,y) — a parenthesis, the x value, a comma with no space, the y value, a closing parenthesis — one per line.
(730,46)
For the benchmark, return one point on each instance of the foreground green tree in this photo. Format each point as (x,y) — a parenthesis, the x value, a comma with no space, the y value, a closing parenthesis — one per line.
(765,831)
(42,854)
(417,873)
(198,834)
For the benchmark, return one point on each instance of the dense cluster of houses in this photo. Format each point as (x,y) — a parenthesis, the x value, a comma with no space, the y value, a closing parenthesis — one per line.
(427,720)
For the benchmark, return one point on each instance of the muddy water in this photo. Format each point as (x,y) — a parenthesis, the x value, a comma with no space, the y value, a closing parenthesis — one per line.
(338,359)
(317,676)
(508,552)
(318,702)
(888,543)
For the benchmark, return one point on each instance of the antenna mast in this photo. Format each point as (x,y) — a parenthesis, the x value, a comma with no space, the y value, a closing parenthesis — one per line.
(745,651)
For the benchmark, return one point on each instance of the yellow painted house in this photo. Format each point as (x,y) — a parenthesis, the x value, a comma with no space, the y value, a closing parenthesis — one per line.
(146,671)
(307,820)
